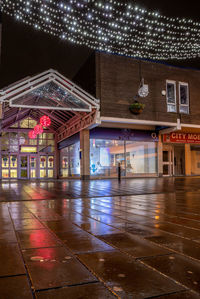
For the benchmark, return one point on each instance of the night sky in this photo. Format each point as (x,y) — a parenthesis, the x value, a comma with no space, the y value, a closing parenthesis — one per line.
(26,51)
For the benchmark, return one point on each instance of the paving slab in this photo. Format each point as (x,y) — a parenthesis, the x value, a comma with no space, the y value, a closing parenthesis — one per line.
(187,247)
(23,224)
(89,291)
(37,238)
(139,230)
(126,277)
(182,269)
(8,236)
(61,226)
(133,245)
(97,228)
(11,259)
(81,241)
(55,267)
(180,295)
(16,287)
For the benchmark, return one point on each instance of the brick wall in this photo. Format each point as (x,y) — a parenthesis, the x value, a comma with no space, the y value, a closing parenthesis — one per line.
(117,82)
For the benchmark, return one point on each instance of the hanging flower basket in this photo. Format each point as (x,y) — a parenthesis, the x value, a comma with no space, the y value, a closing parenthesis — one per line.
(136,108)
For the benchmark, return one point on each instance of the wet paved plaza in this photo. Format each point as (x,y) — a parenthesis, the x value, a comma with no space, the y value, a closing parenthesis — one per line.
(100,239)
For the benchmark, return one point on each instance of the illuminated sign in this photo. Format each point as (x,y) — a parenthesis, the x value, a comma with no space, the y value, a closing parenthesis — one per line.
(28,149)
(182,137)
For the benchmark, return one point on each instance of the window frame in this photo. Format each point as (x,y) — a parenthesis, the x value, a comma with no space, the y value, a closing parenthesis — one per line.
(188,97)
(175,96)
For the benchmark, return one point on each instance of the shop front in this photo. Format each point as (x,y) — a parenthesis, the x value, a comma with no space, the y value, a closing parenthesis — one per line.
(181,154)
(25,158)
(38,114)
(135,151)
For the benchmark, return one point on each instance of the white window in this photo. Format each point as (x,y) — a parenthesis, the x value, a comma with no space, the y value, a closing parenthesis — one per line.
(171,96)
(183,98)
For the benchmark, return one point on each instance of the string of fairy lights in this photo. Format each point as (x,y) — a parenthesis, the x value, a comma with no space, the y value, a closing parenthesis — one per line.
(111,26)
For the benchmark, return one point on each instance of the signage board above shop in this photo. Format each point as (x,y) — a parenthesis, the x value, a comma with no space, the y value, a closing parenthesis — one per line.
(181,137)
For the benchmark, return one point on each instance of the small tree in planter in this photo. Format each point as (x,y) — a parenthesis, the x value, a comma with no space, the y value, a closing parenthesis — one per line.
(136,107)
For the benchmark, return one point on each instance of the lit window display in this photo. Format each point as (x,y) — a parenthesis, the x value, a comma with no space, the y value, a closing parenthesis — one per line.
(105,156)
(5,173)
(64,162)
(141,158)
(70,161)
(135,158)
(13,161)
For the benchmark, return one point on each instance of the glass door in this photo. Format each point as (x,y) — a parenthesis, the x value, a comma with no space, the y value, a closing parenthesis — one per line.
(168,160)
(32,166)
(23,167)
(5,163)
(46,166)
(43,166)
(9,166)
(50,166)
(13,166)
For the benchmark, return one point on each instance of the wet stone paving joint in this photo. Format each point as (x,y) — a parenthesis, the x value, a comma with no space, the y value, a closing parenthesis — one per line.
(141,239)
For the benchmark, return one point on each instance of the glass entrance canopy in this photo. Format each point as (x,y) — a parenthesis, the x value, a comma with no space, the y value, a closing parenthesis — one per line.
(53,96)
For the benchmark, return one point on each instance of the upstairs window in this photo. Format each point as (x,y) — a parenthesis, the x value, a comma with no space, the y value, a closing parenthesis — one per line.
(171,96)
(183,98)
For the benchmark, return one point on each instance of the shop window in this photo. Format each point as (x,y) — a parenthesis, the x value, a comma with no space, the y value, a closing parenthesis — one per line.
(50,162)
(23,138)
(15,125)
(141,158)
(50,173)
(183,98)
(5,161)
(105,156)
(5,173)
(13,142)
(74,159)
(24,124)
(70,161)
(50,146)
(32,141)
(50,136)
(28,123)
(171,96)
(43,162)
(13,173)
(135,158)
(13,161)
(32,123)
(43,136)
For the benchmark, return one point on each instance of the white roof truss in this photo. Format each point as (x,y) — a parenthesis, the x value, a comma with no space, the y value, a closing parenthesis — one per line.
(79,99)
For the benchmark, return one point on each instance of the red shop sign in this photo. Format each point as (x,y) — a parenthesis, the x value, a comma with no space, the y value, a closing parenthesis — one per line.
(182,137)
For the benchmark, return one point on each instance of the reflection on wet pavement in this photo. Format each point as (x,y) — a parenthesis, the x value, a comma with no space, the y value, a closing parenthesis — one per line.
(100,239)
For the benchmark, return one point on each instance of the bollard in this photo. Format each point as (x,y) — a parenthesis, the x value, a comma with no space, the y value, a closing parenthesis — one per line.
(119,172)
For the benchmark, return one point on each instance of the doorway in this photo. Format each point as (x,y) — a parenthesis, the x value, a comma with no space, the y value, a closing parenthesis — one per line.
(179,160)
(168,160)
(23,167)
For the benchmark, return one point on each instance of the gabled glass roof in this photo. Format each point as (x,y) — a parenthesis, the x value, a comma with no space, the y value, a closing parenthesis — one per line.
(51,95)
